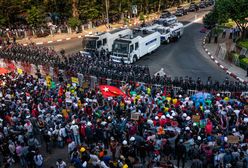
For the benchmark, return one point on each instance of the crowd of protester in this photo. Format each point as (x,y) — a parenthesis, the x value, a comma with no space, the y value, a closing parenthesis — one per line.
(100,132)
(200,131)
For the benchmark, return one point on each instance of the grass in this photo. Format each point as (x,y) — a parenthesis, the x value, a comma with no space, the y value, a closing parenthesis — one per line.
(243,43)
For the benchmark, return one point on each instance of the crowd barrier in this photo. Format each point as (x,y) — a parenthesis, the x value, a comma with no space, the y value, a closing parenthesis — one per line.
(92,81)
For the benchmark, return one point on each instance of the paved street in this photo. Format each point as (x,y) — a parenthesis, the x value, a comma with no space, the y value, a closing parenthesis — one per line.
(185,57)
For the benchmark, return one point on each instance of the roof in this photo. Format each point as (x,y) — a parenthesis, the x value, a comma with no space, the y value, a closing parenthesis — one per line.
(142,33)
(115,31)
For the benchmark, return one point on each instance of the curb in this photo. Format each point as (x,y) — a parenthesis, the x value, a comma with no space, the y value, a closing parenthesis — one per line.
(54,41)
(233,75)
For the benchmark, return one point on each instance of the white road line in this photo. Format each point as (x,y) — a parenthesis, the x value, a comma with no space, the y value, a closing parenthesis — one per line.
(68,38)
(194,21)
(59,40)
(50,42)
(39,43)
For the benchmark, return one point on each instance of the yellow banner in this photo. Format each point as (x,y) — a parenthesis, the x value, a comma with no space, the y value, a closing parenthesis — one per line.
(48,80)
(74,80)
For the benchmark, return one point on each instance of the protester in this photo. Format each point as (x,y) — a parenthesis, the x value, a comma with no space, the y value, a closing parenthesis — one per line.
(100,130)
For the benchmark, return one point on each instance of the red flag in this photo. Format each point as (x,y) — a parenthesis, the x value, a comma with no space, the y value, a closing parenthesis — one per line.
(111,91)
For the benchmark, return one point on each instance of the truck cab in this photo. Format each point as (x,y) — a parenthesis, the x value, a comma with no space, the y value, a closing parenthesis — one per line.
(103,41)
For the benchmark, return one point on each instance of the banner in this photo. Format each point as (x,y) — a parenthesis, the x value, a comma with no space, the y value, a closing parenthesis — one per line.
(48,80)
(74,80)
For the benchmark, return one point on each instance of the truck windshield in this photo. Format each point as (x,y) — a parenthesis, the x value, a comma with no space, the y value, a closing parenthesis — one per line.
(161,31)
(120,47)
(89,43)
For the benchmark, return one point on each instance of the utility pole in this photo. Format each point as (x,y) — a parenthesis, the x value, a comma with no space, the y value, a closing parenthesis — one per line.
(107,11)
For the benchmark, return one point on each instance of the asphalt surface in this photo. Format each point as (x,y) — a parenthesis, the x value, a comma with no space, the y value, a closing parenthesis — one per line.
(185,57)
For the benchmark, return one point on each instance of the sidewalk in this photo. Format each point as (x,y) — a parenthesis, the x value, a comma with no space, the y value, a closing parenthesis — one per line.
(102,28)
(213,51)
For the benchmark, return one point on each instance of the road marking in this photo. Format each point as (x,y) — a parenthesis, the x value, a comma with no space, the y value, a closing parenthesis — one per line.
(68,38)
(194,21)
(50,42)
(25,44)
(79,36)
(59,40)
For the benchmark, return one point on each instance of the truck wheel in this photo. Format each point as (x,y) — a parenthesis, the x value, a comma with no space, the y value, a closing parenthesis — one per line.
(168,41)
(135,58)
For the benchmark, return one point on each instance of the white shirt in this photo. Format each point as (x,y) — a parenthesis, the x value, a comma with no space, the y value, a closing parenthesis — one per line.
(75,129)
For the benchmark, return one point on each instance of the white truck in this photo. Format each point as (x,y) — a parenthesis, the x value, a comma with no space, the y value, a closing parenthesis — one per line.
(98,41)
(130,49)
(167,21)
(167,33)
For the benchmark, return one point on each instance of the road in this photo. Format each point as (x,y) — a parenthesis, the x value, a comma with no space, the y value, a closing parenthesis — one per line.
(185,57)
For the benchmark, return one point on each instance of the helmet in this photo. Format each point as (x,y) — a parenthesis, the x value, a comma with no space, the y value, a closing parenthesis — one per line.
(124,142)
(149,121)
(188,118)
(156,118)
(162,117)
(132,139)
(187,128)
(168,115)
(184,115)
(198,138)
(82,149)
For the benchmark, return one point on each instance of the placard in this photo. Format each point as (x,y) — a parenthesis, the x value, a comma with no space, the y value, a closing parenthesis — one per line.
(232,139)
(135,116)
(19,71)
(74,80)
(196,118)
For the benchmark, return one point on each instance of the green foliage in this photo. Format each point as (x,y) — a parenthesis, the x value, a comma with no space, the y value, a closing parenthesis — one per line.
(35,16)
(74,22)
(232,9)
(210,20)
(243,43)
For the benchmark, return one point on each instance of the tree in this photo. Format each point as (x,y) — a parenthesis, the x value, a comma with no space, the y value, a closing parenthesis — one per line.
(235,10)
(211,19)
(73,22)
(35,16)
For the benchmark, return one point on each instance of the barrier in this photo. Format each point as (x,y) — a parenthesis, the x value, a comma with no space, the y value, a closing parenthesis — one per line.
(176,89)
(226,93)
(191,92)
(93,81)
(244,94)
(109,81)
(80,79)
